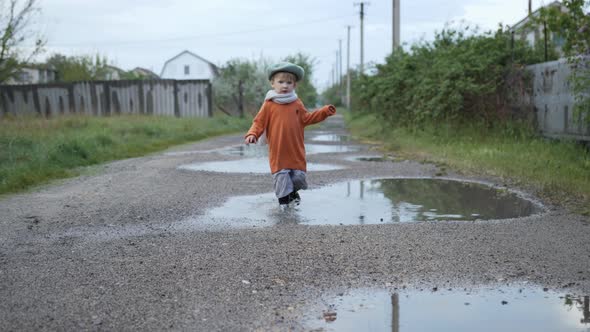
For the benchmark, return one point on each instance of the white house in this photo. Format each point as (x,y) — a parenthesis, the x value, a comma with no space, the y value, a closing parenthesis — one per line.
(188,66)
(144,73)
(535,34)
(113,73)
(33,74)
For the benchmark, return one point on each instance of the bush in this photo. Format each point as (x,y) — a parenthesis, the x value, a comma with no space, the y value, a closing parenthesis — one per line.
(459,77)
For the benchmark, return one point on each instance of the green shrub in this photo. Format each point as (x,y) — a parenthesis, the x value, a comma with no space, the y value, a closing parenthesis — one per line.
(459,77)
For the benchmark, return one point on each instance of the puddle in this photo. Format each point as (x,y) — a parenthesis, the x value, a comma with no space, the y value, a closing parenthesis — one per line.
(186,153)
(254,150)
(374,202)
(370,158)
(505,309)
(330,138)
(257,150)
(249,165)
(323,148)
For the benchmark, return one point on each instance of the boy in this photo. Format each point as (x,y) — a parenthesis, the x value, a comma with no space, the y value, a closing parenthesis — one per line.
(283,117)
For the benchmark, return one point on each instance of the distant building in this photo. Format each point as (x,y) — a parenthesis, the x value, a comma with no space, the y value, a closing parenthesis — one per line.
(144,73)
(534,34)
(113,73)
(33,74)
(189,66)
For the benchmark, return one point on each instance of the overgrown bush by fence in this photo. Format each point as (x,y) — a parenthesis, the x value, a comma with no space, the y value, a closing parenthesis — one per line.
(461,76)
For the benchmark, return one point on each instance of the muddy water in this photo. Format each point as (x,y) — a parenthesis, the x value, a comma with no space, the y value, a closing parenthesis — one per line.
(370,158)
(373,202)
(503,309)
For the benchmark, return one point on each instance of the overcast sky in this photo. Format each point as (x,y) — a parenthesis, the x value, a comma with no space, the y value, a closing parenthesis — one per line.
(146,33)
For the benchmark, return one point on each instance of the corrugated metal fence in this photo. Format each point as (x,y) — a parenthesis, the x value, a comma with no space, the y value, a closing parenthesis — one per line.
(180,98)
(553,101)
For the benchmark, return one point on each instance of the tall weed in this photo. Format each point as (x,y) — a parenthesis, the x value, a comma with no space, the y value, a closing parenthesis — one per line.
(559,170)
(34,150)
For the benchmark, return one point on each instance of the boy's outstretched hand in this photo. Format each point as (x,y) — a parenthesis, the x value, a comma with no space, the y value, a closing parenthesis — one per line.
(250,139)
(331,110)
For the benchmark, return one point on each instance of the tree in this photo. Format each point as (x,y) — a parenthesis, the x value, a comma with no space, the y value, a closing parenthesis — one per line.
(241,86)
(574,25)
(305,89)
(460,77)
(15,20)
(79,68)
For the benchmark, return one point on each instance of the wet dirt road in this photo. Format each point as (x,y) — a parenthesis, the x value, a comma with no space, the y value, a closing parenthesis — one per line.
(121,248)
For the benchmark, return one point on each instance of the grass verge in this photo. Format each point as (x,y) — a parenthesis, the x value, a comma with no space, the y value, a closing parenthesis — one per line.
(34,150)
(558,171)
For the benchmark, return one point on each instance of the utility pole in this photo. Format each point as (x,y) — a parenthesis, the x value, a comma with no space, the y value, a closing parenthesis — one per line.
(333,76)
(337,68)
(395,25)
(348,67)
(340,62)
(530,7)
(362,4)
(340,92)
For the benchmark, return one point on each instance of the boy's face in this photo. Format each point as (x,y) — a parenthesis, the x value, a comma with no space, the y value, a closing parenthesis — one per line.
(283,83)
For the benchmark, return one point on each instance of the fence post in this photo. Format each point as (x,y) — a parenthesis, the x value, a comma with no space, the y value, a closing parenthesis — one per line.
(176,103)
(36,101)
(210,100)
(107,99)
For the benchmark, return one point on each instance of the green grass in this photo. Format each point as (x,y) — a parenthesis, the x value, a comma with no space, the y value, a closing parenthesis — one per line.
(34,151)
(558,170)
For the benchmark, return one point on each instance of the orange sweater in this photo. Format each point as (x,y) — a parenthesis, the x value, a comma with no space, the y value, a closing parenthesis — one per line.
(284,124)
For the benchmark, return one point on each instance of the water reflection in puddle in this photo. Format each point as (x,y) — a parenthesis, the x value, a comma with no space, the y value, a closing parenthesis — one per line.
(256,150)
(260,150)
(374,202)
(507,309)
(249,165)
(322,148)
(330,138)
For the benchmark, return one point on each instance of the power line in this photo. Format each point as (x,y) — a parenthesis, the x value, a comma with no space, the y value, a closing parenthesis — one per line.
(130,42)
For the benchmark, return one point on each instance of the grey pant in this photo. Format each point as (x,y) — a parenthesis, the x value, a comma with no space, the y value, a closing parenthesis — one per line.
(289,180)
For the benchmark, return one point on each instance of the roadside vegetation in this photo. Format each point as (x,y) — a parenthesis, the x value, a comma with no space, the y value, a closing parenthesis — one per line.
(450,102)
(242,84)
(558,171)
(35,150)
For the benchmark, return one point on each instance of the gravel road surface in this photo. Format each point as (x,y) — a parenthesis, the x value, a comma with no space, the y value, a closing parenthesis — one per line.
(103,251)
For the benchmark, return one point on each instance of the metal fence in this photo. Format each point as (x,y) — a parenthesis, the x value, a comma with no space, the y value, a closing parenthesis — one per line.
(553,102)
(180,98)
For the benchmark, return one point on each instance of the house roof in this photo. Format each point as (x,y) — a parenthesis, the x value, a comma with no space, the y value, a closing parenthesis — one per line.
(525,20)
(113,68)
(214,67)
(144,71)
(39,66)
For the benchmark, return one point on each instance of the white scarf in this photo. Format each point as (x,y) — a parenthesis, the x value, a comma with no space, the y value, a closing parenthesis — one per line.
(281,98)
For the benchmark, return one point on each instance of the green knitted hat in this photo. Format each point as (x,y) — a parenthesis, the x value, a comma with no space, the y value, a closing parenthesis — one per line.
(288,68)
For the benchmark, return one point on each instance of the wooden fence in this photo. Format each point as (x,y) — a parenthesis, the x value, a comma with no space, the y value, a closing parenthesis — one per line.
(180,98)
